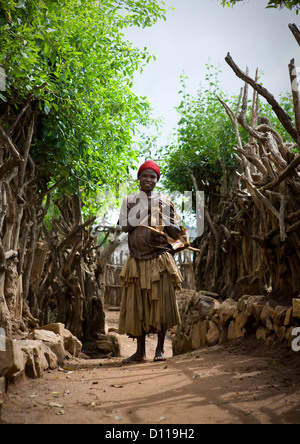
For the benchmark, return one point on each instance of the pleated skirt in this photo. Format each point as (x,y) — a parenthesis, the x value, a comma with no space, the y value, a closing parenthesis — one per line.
(149,295)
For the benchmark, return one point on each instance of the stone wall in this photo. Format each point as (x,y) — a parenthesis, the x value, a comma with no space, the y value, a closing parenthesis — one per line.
(46,348)
(208,322)
(43,349)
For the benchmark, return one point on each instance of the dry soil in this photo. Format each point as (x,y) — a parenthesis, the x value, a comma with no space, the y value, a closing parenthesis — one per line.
(240,383)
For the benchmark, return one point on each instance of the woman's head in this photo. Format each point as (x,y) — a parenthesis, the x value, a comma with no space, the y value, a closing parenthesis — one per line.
(151,165)
(148,175)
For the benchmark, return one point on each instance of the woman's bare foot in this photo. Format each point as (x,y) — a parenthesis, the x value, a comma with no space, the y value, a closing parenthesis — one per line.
(140,353)
(134,358)
(159,356)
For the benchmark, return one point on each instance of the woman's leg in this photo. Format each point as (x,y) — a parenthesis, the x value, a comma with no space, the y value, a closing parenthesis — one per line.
(160,351)
(140,353)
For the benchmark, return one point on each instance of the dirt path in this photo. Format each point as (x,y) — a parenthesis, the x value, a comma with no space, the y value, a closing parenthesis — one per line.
(239,383)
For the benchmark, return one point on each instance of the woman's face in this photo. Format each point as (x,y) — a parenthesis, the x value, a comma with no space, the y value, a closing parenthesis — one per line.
(148,180)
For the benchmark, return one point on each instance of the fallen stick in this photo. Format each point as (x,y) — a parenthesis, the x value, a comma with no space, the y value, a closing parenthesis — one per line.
(177,245)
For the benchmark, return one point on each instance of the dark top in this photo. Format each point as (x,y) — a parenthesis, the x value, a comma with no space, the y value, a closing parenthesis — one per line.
(138,210)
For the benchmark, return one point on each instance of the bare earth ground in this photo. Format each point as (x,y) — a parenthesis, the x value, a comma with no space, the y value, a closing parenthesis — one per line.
(241,383)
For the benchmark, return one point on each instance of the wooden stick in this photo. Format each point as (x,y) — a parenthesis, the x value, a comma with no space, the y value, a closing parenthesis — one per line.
(185,244)
(285,173)
(282,115)
(283,205)
(233,117)
(9,143)
(295,32)
(263,199)
(76,230)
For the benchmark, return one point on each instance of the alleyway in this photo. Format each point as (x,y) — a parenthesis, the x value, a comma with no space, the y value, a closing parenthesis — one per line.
(240,383)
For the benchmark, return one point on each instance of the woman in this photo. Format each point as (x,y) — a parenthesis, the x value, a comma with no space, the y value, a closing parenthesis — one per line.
(150,275)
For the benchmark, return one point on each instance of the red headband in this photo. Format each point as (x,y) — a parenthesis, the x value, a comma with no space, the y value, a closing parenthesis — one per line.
(150,165)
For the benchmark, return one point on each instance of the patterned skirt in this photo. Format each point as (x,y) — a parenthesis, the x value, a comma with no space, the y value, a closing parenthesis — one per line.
(149,295)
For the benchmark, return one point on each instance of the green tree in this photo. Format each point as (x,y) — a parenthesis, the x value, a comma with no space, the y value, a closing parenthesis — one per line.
(71,58)
(289,4)
(202,145)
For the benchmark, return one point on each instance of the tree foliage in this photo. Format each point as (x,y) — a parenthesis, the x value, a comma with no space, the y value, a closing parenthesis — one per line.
(203,143)
(204,138)
(71,59)
(289,4)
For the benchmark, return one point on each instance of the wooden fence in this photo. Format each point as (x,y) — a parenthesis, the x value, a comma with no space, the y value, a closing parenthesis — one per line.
(113,293)
(185,263)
